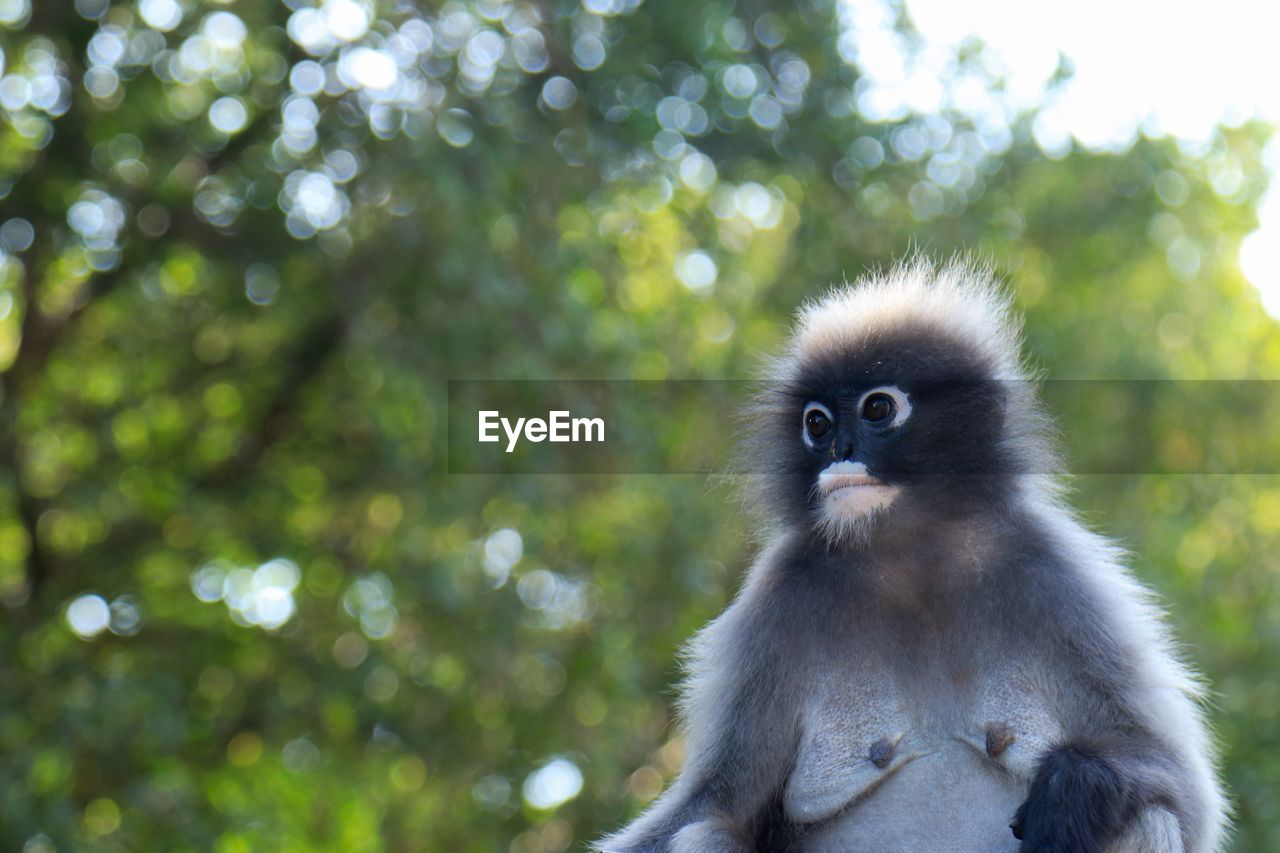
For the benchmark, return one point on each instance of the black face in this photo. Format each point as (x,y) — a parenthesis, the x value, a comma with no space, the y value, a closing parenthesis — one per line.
(919,414)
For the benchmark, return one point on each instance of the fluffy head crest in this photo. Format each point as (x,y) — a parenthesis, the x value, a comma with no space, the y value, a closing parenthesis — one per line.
(960,301)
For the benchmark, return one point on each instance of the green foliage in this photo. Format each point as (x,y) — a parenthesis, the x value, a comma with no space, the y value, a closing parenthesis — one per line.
(256,255)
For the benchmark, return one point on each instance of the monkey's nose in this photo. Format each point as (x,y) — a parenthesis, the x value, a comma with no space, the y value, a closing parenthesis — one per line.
(842,449)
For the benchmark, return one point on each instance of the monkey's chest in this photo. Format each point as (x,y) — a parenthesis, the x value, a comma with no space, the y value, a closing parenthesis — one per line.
(943,799)
(881,768)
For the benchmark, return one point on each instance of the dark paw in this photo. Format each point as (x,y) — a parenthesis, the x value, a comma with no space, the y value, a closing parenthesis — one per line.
(1078,804)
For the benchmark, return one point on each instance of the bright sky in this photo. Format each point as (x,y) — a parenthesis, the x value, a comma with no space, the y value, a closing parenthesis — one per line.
(1159,67)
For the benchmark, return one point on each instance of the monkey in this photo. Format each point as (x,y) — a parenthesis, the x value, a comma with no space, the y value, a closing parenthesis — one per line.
(930,652)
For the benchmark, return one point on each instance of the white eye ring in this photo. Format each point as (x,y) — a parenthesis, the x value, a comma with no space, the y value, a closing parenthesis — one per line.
(901,403)
(804,418)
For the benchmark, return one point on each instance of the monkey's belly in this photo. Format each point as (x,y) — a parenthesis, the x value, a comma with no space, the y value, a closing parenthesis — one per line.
(950,799)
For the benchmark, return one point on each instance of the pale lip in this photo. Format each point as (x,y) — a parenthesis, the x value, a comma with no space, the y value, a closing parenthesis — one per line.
(849,491)
(846,475)
(840,482)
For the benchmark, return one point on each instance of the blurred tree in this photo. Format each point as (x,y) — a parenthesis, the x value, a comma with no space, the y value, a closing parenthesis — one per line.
(244,244)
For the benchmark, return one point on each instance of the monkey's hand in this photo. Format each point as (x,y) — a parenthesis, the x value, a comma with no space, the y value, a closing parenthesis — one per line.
(1079,803)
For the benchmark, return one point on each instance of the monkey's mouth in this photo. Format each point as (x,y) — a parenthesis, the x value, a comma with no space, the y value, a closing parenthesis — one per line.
(843,482)
(839,476)
(849,489)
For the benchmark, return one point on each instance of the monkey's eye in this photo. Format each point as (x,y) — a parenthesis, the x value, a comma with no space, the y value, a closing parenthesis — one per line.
(878,408)
(885,407)
(817,422)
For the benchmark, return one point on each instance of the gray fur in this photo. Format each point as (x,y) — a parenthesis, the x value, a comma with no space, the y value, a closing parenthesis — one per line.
(898,689)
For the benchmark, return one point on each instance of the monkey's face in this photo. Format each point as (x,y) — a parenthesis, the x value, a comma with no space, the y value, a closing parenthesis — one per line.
(846,438)
(887,431)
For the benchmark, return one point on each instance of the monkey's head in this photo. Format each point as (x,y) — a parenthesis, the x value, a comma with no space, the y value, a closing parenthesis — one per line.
(900,400)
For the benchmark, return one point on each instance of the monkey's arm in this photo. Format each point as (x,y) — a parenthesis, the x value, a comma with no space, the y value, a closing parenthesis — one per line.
(1133,771)
(740,713)
(1103,794)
